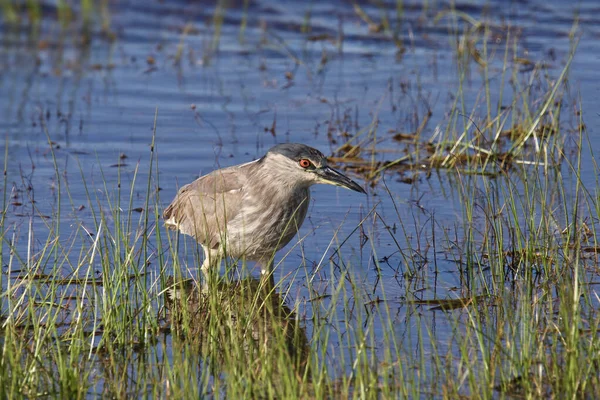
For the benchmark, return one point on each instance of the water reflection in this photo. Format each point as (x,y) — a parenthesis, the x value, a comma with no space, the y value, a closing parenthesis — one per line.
(243,328)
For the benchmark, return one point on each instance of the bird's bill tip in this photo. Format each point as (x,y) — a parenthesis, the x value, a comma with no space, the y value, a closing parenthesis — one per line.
(332,177)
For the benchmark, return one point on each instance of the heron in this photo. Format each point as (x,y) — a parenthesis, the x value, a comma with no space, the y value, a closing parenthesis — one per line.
(252,210)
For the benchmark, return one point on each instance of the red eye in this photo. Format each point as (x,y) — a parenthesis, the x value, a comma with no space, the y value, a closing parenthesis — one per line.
(304,163)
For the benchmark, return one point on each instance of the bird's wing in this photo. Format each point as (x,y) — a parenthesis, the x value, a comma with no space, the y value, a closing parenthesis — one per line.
(202,208)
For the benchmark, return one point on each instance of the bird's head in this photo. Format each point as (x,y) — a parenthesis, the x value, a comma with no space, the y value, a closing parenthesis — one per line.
(301,164)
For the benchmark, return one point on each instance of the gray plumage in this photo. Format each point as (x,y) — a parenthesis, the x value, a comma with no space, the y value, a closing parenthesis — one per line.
(254,209)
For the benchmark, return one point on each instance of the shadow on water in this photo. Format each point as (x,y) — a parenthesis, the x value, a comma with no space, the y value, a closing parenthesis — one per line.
(242,327)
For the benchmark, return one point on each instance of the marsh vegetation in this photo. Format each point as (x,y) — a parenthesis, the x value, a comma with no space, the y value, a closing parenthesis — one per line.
(471,270)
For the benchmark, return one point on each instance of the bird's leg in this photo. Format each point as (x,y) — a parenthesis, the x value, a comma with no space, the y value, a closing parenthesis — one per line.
(210,266)
(266,271)
(205,268)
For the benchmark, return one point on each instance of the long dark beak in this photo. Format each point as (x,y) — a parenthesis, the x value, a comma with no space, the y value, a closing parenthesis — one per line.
(332,177)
